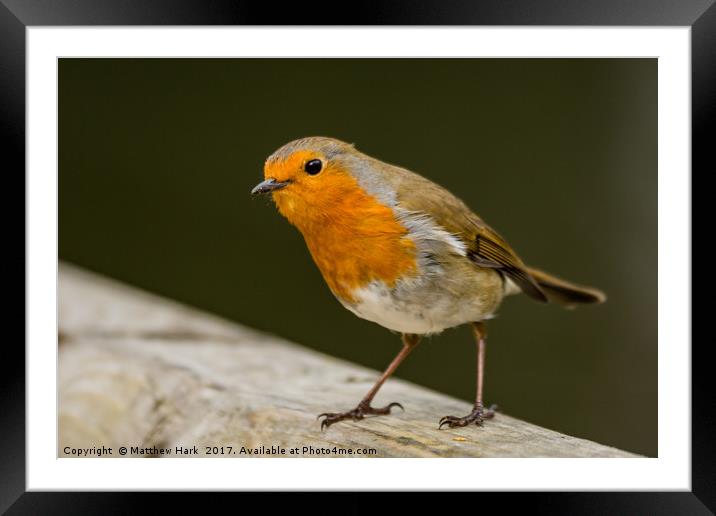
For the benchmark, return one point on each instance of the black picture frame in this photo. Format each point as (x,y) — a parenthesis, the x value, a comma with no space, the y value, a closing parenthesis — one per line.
(700,15)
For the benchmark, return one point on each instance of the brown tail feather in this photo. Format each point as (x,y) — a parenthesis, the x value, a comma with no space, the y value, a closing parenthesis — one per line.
(565,293)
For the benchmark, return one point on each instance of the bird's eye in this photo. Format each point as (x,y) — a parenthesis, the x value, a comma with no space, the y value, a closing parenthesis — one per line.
(313,167)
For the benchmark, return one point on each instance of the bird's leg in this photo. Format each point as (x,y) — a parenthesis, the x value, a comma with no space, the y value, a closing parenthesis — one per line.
(478,412)
(364,409)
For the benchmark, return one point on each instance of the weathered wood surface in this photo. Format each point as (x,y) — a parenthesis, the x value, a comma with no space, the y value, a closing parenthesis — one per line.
(138,370)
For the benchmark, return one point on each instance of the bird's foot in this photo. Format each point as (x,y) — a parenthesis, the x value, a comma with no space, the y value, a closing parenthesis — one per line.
(477,416)
(358,413)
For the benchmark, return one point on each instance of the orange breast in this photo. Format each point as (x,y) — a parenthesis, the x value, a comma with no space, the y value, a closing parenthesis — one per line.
(352,237)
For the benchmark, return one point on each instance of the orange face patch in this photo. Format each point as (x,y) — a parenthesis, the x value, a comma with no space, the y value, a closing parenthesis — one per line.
(353,238)
(292,167)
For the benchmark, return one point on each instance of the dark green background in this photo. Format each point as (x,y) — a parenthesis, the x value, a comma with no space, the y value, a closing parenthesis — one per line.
(157,158)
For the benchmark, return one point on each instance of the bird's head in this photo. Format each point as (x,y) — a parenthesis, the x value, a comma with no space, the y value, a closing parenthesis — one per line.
(309,179)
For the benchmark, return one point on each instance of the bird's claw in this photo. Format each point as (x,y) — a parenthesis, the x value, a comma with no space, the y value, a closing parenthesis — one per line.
(358,413)
(477,416)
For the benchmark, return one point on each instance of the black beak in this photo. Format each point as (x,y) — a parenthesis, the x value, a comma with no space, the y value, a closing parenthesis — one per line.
(267,186)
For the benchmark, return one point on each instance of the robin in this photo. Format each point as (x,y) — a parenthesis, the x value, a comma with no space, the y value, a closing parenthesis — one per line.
(403,252)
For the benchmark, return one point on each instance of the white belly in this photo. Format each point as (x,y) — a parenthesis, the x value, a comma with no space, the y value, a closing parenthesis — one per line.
(379,304)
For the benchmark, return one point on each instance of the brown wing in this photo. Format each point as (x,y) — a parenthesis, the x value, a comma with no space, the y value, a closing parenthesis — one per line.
(490,250)
(485,246)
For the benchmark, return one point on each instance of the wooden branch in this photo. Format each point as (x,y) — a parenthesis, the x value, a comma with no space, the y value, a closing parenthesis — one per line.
(139,371)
